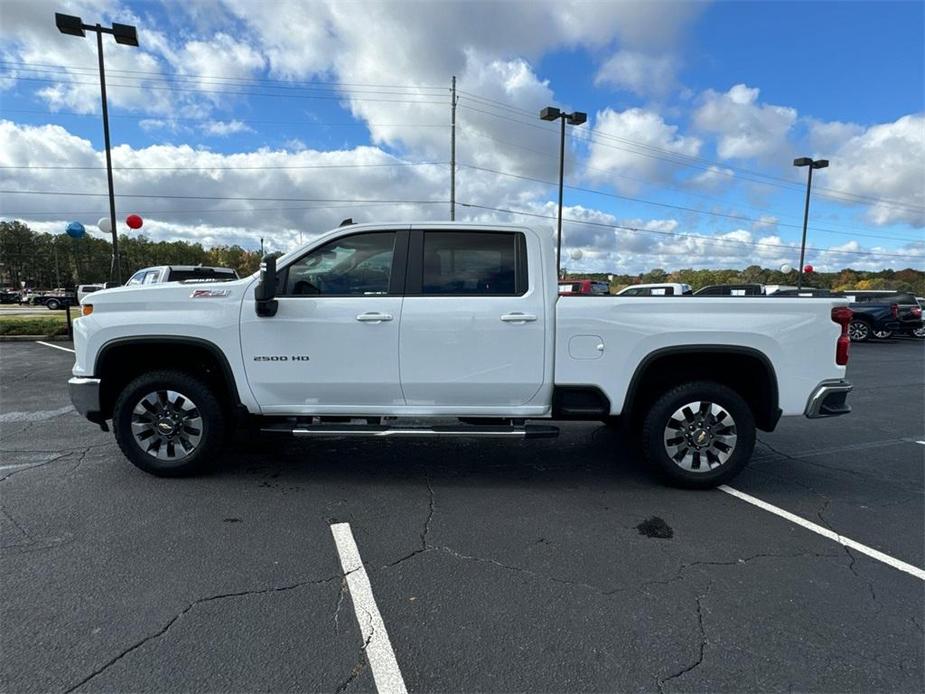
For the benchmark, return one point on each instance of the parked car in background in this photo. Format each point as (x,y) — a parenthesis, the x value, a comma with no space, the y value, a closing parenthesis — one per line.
(664,289)
(591,287)
(908,311)
(805,291)
(9,297)
(85,289)
(181,273)
(56,299)
(920,332)
(731,290)
(869,320)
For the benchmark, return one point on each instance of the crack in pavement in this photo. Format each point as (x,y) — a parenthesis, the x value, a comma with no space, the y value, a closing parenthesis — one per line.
(362,662)
(163,630)
(36,465)
(660,682)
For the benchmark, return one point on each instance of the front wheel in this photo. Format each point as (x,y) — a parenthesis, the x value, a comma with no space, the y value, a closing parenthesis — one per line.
(169,424)
(859,331)
(699,435)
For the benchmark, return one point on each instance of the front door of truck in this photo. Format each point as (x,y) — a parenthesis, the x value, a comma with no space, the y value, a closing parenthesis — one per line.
(333,342)
(473,322)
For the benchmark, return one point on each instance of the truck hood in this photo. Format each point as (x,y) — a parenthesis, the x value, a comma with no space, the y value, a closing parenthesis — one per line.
(141,297)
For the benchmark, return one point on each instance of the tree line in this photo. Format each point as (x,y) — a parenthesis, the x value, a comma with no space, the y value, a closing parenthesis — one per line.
(44,261)
(906,280)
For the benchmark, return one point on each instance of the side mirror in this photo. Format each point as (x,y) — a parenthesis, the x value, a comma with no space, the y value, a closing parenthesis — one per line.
(265,291)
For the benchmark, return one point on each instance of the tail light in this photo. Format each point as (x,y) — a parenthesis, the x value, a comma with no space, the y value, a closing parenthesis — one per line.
(842,315)
(916,312)
(894,309)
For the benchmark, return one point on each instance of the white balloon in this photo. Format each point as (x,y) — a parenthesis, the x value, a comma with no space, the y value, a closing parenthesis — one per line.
(576,254)
(105,225)
(785,268)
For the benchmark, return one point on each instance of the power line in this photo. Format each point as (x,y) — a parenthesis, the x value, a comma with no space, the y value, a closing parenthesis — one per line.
(268,167)
(94,68)
(708,239)
(603,139)
(213,119)
(344,97)
(217,197)
(662,184)
(670,206)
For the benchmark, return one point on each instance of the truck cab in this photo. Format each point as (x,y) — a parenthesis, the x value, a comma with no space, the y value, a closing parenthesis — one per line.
(370,326)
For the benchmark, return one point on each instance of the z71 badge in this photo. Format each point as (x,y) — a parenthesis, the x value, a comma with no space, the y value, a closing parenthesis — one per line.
(283,357)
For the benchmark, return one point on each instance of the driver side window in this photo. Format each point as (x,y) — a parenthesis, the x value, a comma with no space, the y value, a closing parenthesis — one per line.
(357,265)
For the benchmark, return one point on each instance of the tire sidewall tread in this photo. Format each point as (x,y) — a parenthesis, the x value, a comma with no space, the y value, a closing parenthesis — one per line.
(657,417)
(214,423)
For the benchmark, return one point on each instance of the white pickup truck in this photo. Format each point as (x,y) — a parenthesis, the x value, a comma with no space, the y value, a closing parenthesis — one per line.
(370,328)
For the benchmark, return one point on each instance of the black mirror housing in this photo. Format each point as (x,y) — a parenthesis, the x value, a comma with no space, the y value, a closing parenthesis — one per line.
(265,291)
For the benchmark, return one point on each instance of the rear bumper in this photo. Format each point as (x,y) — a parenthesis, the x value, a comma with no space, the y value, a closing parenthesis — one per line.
(828,399)
(85,394)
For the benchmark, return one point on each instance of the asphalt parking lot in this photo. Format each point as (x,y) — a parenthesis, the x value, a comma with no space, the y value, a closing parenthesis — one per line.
(547,565)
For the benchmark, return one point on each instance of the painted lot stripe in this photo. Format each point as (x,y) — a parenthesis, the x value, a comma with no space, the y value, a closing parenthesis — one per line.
(379,651)
(825,532)
(48,344)
(921,442)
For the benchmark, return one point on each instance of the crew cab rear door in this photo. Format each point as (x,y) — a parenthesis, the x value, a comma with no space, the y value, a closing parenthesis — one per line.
(473,322)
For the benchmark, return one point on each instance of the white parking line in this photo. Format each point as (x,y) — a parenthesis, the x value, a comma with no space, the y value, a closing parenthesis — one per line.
(825,532)
(378,649)
(48,344)
(921,442)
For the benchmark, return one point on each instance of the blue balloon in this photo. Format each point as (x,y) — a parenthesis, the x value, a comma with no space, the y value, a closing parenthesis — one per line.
(75,230)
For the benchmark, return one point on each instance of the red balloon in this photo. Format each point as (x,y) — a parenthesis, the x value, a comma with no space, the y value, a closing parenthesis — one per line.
(134,221)
(808,268)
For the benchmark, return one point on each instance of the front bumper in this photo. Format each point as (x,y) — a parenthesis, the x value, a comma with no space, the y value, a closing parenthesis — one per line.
(828,399)
(85,394)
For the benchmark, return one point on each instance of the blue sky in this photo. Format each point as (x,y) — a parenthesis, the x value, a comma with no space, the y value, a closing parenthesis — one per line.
(696,111)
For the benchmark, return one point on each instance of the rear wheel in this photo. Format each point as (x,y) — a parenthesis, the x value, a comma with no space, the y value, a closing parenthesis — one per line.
(169,424)
(699,435)
(919,332)
(883,334)
(859,331)
(53,304)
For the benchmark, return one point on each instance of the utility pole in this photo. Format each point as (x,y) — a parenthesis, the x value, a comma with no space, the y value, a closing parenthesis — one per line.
(453,101)
(812,164)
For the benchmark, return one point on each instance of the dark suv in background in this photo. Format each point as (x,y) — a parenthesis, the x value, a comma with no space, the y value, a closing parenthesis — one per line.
(903,307)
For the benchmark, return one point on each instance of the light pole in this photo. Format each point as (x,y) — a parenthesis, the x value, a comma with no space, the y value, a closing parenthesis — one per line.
(127,35)
(812,164)
(551,113)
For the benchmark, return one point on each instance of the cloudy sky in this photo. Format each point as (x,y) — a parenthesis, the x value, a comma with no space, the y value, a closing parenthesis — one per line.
(241,119)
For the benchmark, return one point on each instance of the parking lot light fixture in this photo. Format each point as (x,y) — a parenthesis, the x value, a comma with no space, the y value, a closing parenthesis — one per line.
(551,113)
(810,164)
(126,35)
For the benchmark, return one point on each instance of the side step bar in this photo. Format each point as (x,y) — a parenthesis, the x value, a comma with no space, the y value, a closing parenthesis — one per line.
(528,431)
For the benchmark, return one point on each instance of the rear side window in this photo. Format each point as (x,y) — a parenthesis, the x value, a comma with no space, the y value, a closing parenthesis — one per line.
(474,263)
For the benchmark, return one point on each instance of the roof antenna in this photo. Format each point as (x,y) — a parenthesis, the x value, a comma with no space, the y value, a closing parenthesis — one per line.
(346,223)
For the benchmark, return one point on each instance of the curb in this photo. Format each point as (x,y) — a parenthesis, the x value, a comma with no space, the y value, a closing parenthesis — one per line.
(34,338)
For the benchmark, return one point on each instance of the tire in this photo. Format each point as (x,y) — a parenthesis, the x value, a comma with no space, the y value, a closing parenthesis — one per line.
(710,465)
(883,334)
(919,332)
(169,424)
(52,304)
(859,331)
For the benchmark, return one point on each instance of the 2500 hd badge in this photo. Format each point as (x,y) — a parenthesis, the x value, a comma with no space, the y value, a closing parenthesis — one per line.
(283,357)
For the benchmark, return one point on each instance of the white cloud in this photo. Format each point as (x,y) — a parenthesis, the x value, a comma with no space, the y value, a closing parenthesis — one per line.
(885,161)
(219,128)
(639,72)
(648,133)
(713,178)
(745,127)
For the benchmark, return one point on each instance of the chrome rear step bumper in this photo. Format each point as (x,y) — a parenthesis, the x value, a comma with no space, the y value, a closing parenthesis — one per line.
(828,400)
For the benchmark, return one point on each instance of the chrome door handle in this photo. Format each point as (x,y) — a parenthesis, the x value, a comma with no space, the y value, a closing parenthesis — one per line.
(518,317)
(374,317)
